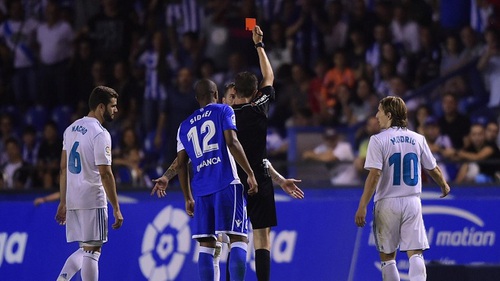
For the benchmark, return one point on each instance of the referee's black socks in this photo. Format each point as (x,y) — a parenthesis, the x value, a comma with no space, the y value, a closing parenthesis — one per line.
(263,264)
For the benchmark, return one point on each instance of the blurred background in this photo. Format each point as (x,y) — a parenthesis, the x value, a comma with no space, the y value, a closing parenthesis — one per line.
(333,61)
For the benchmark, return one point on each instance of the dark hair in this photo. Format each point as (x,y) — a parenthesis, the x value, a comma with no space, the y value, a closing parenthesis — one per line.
(245,84)
(101,94)
(205,89)
(12,140)
(397,108)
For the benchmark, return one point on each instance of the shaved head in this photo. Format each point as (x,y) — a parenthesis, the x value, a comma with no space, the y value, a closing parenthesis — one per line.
(205,90)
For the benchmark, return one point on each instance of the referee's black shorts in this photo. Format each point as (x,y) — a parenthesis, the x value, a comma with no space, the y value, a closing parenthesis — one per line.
(261,207)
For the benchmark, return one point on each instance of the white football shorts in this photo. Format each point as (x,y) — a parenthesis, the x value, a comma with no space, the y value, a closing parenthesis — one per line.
(89,227)
(399,224)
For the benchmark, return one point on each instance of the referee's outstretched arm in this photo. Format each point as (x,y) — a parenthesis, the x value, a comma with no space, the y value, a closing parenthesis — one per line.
(265,65)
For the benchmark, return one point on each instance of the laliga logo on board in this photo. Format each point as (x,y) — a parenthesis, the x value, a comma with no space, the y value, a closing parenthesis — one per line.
(161,260)
(466,237)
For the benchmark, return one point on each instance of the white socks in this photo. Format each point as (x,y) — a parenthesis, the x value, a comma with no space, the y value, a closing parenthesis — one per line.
(90,268)
(417,268)
(390,271)
(72,265)
(218,249)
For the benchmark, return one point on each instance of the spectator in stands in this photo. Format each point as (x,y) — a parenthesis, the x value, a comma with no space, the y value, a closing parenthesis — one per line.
(428,59)
(6,132)
(49,156)
(81,72)
(129,169)
(338,156)
(472,47)
(374,52)
(109,32)
(480,12)
(182,17)
(404,31)
(386,71)
(484,158)
(365,101)
(399,87)
(453,123)
(19,35)
(334,28)
(189,52)
(356,52)
(131,96)
(30,145)
(341,73)
(55,40)
(451,55)
(302,92)
(279,47)
(393,56)
(440,145)
(154,61)
(489,63)
(129,140)
(422,113)
(15,173)
(363,135)
(179,104)
(304,29)
(492,132)
(361,18)
(344,108)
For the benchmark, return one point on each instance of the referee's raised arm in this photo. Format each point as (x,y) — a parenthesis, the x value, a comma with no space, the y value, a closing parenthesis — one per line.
(265,65)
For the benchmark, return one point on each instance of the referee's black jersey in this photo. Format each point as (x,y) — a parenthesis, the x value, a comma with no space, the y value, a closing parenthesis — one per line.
(251,122)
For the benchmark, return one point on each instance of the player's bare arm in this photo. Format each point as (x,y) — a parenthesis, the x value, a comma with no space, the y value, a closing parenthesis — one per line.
(437,176)
(369,189)
(161,183)
(288,185)
(265,65)
(108,181)
(61,209)
(182,162)
(234,146)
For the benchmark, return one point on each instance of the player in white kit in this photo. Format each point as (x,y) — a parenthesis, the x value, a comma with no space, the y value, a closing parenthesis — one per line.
(86,180)
(394,159)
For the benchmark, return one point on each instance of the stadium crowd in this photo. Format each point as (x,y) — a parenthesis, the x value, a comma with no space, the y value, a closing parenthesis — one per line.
(333,61)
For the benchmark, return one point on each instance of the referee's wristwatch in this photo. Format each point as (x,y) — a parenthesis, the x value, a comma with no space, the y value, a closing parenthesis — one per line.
(259,45)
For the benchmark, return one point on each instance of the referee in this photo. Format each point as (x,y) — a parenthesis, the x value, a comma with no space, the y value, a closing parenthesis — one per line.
(251,109)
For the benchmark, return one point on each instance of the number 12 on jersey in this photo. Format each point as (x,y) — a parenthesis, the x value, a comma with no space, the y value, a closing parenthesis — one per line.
(207,128)
(410,160)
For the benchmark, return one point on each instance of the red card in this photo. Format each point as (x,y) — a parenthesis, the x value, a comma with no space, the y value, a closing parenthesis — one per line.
(250,23)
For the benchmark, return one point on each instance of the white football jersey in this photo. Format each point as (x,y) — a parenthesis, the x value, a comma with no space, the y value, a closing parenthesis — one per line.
(399,153)
(87,144)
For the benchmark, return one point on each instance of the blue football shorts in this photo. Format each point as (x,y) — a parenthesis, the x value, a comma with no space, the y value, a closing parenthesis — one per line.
(224,211)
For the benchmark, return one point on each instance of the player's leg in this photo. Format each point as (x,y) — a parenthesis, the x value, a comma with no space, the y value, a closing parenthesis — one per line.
(414,238)
(95,233)
(386,228)
(262,213)
(388,265)
(262,245)
(231,219)
(72,265)
(417,266)
(204,233)
(90,263)
(206,257)
(218,249)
